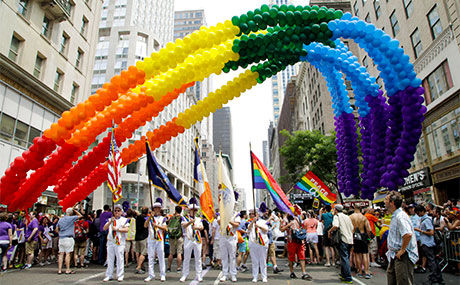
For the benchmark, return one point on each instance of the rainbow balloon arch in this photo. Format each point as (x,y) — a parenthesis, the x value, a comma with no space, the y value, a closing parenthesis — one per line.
(263,42)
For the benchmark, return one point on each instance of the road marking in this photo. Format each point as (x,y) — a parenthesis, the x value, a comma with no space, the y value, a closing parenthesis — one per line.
(195,281)
(358,281)
(218,278)
(89,278)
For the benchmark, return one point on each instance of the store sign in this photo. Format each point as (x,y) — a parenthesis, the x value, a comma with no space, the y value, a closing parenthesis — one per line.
(359,203)
(417,180)
(42,200)
(299,198)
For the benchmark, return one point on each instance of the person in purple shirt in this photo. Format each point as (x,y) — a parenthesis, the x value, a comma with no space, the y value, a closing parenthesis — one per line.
(31,236)
(105,216)
(6,239)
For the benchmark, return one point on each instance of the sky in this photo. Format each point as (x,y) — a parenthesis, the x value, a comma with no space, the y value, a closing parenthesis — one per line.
(252,111)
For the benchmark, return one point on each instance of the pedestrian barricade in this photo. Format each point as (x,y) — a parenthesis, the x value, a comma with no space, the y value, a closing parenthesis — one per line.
(452,246)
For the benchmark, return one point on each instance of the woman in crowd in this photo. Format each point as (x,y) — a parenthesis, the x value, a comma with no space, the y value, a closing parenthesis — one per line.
(6,239)
(46,242)
(311,225)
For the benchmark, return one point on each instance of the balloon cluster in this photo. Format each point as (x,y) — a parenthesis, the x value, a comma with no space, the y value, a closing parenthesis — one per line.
(264,41)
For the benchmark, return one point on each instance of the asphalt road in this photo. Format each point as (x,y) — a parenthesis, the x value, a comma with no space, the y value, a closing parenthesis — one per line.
(47,275)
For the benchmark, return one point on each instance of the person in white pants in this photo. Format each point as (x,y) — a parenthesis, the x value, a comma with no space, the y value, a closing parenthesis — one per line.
(258,243)
(116,239)
(192,226)
(157,228)
(228,243)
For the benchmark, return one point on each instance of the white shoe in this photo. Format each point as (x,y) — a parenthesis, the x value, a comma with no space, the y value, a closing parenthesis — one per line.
(254,280)
(182,279)
(327,264)
(106,279)
(200,278)
(148,279)
(264,280)
(163,278)
(223,278)
(374,264)
(234,279)
(120,279)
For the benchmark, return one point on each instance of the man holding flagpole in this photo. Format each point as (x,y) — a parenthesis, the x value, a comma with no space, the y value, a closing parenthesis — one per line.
(258,243)
(156,224)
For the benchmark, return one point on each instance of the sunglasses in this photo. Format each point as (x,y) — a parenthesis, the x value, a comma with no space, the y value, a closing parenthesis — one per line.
(118,210)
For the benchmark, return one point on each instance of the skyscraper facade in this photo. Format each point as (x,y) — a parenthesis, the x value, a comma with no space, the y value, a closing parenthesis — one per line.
(222,132)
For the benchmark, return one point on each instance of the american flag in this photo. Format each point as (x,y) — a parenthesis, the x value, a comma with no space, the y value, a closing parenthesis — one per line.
(114,173)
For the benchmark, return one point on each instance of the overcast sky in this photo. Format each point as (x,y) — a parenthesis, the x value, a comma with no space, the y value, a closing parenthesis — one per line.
(252,111)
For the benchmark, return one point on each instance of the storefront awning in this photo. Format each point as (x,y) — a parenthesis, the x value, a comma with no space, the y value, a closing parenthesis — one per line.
(379,198)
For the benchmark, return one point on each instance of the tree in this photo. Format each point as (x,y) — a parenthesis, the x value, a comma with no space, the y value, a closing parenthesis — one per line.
(310,150)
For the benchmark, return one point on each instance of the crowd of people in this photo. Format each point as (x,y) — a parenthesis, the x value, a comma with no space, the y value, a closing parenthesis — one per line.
(404,238)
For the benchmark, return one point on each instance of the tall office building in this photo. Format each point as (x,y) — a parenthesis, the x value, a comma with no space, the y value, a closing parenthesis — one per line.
(222,132)
(128,32)
(429,31)
(46,59)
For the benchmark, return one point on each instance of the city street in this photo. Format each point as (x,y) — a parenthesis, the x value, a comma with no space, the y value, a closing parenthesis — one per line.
(95,273)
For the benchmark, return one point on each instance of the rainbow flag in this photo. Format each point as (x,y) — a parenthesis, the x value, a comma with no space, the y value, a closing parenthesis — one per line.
(198,236)
(262,179)
(312,184)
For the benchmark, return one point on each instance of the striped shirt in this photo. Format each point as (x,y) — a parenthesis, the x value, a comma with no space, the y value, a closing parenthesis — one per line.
(401,225)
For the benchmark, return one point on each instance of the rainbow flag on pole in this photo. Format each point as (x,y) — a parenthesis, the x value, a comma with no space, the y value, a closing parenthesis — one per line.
(262,179)
(312,184)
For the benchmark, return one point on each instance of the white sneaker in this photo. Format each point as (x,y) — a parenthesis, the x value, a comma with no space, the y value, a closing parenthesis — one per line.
(234,279)
(106,279)
(150,278)
(120,279)
(327,264)
(254,280)
(374,264)
(200,278)
(223,278)
(163,278)
(42,264)
(182,279)
(264,280)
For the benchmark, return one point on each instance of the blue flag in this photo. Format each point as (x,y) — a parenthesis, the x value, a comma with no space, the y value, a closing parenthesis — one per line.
(161,180)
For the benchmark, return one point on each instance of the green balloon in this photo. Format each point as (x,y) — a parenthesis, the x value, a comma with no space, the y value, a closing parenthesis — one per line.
(321,14)
(235,20)
(315,28)
(258,18)
(313,15)
(263,26)
(307,8)
(305,15)
(282,22)
(291,8)
(298,18)
(315,7)
(298,30)
(244,18)
(303,38)
(295,38)
(338,14)
(264,8)
(299,8)
(323,26)
(250,15)
(271,22)
(235,48)
(273,13)
(257,11)
(252,26)
(284,8)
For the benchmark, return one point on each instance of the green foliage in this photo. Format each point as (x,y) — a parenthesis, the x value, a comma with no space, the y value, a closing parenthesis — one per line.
(310,150)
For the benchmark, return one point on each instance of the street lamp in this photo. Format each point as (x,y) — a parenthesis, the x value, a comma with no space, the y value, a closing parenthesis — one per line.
(139,174)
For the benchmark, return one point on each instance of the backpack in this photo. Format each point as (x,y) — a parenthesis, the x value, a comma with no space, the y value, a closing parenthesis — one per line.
(298,235)
(175,228)
(80,231)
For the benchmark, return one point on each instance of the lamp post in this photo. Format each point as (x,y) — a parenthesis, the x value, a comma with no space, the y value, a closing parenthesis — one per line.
(139,174)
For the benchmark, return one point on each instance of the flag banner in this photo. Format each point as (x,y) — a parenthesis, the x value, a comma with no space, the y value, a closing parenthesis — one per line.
(312,184)
(262,179)
(226,195)
(316,203)
(160,179)
(204,191)
(114,170)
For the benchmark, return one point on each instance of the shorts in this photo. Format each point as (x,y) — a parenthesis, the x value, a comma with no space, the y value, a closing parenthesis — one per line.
(129,244)
(80,247)
(176,245)
(216,249)
(47,244)
(272,250)
(66,244)
(360,246)
(141,247)
(326,240)
(296,248)
(242,247)
(55,243)
(373,247)
(30,246)
(312,238)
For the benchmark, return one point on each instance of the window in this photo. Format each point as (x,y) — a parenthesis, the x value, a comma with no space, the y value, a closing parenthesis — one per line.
(408,7)
(64,43)
(105,4)
(22,8)
(394,23)
(38,65)
(58,80)
(439,81)
(435,22)
(141,47)
(368,18)
(443,135)
(416,43)
(14,48)
(84,26)
(74,93)
(20,134)
(46,27)
(377,10)
(79,60)
(7,127)
(356,9)
(132,167)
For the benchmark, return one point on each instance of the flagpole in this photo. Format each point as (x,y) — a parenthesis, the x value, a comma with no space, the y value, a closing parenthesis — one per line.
(150,194)
(290,190)
(199,154)
(252,175)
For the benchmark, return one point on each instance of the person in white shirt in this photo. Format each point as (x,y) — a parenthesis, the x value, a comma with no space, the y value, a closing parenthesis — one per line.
(116,239)
(156,224)
(193,241)
(215,241)
(228,243)
(258,243)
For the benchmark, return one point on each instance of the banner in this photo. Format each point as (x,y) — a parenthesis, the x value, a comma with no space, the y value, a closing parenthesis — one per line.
(312,184)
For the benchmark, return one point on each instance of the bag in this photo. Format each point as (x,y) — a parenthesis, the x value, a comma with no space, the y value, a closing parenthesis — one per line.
(298,235)
(175,228)
(336,237)
(80,231)
(240,237)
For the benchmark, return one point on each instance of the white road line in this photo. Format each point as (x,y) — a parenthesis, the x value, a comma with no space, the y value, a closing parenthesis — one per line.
(358,281)
(195,281)
(218,278)
(84,280)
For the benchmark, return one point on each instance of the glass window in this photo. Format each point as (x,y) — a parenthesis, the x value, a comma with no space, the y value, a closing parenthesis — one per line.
(84,26)
(79,60)
(435,22)
(6,127)
(22,8)
(46,27)
(416,43)
(20,135)
(438,82)
(33,133)
(377,10)
(408,7)
(38,66)
(132,167)
(58,80)
(394,23)
(444,138)
(74,92)
(14,48)
(64,43)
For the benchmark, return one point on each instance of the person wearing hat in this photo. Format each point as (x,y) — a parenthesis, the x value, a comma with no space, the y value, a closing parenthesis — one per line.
(192,225)
(156,224)
(228,243)
(116,239)
(258,244)
(343,223)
